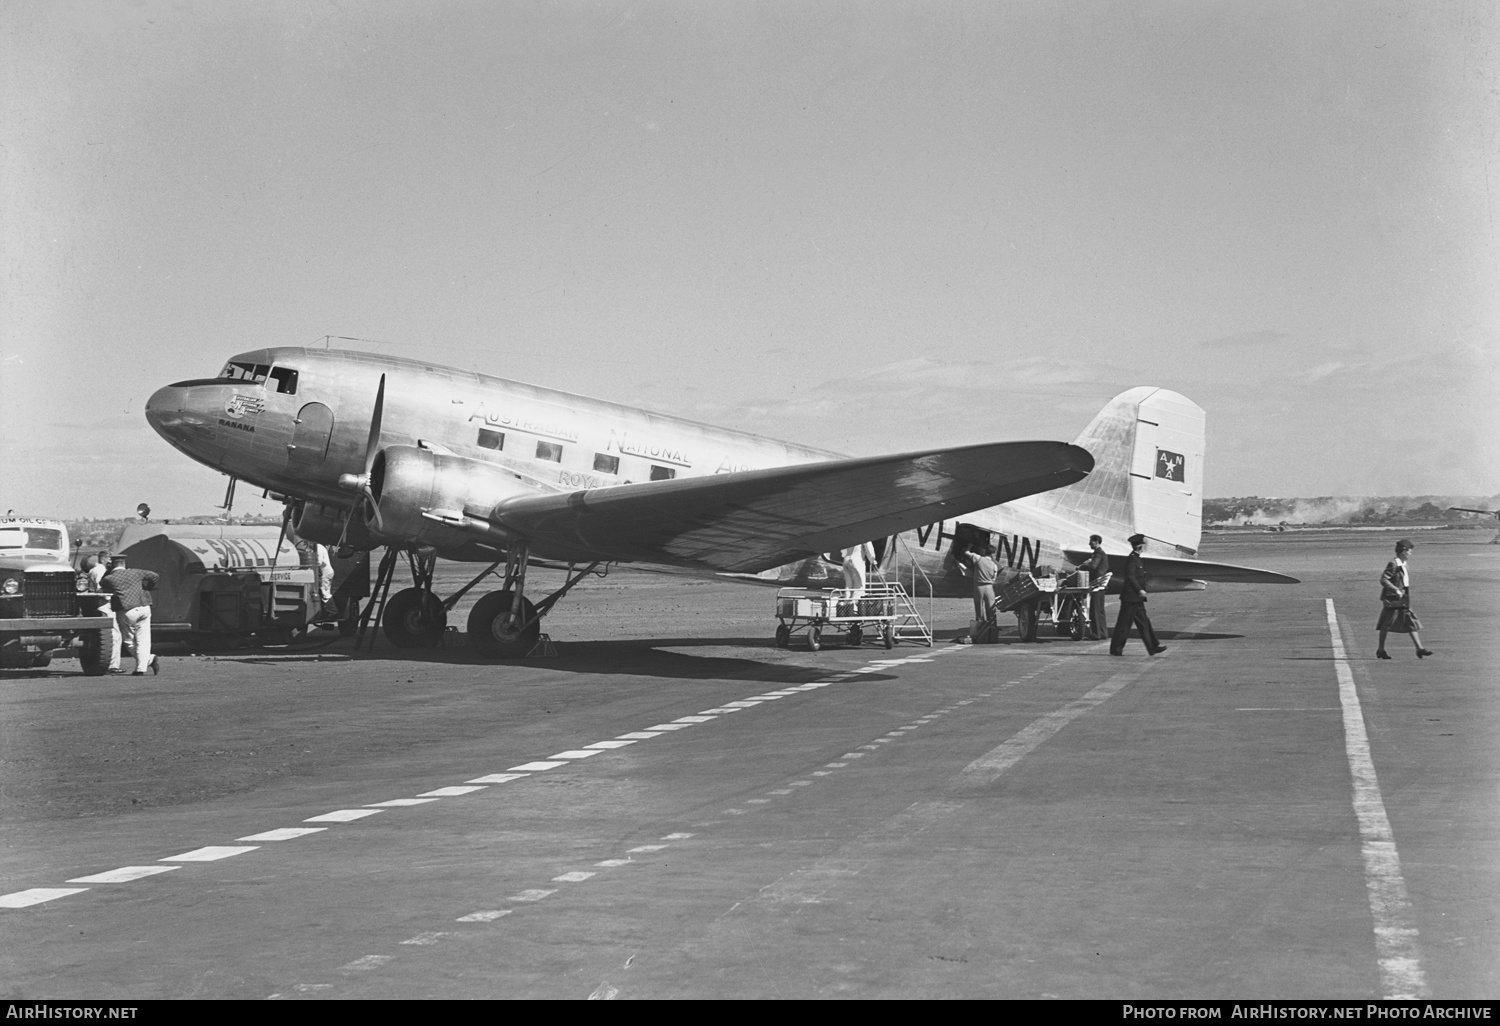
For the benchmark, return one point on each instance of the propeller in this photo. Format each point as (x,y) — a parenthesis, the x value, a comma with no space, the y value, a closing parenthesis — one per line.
(361,482)
(286,520)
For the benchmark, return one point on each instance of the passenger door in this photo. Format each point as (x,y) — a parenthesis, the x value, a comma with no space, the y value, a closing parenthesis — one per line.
(310,435)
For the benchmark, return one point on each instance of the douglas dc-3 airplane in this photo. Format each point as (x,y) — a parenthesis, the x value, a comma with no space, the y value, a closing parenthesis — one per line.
(371,450)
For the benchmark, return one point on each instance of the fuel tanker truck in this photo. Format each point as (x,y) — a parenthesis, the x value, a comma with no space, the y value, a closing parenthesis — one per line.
(223,585)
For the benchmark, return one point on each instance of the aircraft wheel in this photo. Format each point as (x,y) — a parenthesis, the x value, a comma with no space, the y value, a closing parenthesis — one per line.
(814,638)
(492,634)
(856,636)
(888,635)
(414,619)
(783,636)
(93,658)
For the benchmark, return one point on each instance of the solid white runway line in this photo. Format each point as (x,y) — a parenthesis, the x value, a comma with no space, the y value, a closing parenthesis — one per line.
(1401,975)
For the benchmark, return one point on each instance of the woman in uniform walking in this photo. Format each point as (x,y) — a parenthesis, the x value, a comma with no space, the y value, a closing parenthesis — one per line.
(1395,596)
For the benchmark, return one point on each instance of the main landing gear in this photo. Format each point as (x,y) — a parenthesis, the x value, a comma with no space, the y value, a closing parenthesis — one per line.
(504,624)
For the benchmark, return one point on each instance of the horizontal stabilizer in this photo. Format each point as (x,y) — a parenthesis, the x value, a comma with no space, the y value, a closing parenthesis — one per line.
(757,519)
(1191,569)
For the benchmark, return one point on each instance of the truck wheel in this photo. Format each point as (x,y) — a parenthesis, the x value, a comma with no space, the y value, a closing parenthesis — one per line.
(856,636)
(414,619)
(1079,625)
(94,657)
(888,635)
(493,636)
(783,636)
(814,638)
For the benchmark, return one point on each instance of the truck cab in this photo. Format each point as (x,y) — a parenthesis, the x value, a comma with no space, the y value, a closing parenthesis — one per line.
(46,607)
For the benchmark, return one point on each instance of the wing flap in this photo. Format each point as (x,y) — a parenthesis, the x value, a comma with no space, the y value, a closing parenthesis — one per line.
(754,520)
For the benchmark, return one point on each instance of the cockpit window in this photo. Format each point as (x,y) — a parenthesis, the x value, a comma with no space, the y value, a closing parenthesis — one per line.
(254,373)
(286,380)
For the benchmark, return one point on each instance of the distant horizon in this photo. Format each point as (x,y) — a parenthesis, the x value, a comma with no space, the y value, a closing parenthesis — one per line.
(1493,501)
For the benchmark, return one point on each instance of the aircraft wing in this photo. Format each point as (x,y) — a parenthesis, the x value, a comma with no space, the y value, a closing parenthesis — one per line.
(754,520)
(1191,569)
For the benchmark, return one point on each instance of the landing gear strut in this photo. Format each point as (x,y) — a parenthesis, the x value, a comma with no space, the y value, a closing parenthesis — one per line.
(505,624)
(413,617)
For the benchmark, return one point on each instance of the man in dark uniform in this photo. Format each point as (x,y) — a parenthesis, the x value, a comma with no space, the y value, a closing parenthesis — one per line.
(1133,603)
(1097,565)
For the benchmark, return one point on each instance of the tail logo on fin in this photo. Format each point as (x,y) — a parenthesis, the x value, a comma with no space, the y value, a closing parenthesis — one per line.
(1170,465)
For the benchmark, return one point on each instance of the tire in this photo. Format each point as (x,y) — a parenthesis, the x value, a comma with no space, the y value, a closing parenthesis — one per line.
(814,638)
(888,635)
(491,635)
(414,619)
(1026,622)
(856,636)
(1079,626)
(93,659)
(783,636)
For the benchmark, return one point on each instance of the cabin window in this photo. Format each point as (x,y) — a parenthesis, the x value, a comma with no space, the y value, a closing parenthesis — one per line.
(491,439)
(254,373)
(549,451)
(606,464)
(662,473)
(286,380)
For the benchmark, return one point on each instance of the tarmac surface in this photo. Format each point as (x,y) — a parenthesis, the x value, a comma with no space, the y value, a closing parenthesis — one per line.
(1264,811)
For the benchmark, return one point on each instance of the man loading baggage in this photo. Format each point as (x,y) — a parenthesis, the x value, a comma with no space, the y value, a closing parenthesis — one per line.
(1098,567)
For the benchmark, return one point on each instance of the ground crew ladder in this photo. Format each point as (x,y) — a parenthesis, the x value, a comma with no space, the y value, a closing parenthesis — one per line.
(909,624)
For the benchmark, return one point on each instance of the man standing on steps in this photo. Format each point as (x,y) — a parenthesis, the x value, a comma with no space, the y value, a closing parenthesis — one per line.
(1133,603)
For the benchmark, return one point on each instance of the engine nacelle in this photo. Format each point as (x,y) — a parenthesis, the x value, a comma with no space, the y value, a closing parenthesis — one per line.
(407,481)
(325,526)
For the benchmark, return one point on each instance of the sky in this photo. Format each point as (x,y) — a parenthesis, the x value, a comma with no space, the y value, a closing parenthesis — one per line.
(870,226)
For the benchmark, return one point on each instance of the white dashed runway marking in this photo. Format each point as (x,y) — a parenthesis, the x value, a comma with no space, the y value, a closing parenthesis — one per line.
(284,834)
(212,853)
(124,874)
(341,816)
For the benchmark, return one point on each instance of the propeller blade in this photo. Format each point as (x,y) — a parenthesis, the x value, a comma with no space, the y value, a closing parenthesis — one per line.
(286,519)
(373,445)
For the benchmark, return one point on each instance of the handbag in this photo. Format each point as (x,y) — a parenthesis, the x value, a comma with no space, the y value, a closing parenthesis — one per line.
(1393,600)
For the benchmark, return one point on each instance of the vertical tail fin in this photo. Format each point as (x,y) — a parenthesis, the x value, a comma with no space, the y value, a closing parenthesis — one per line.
(1147,445)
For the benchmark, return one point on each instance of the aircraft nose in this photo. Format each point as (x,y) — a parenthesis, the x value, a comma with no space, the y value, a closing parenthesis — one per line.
(186,414)
(163,403)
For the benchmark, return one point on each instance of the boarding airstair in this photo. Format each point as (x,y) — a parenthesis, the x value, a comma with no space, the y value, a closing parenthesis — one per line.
(909,625)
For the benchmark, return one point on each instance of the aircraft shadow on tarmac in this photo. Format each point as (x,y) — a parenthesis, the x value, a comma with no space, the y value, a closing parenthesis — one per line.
(650,657)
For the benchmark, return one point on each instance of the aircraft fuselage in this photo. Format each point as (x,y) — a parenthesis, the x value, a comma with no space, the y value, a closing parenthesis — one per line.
(294,421)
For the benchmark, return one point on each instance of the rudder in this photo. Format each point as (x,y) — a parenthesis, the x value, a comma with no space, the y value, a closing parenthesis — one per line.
(1148,446)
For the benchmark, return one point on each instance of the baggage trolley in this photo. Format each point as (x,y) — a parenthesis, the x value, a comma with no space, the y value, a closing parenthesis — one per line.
(1062,601)
(809,612)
